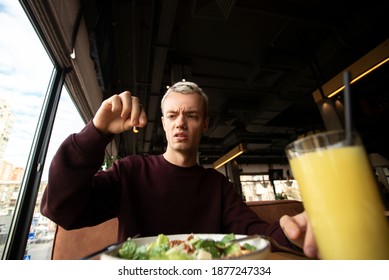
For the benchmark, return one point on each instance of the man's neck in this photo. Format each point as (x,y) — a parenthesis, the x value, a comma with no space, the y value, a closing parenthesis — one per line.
(180,159)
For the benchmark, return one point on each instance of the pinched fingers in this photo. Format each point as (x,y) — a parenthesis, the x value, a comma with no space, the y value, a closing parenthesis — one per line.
(125,99)
(143,117)
(116,104)
(119,113)
(135,111)
(109,110)
(132,113)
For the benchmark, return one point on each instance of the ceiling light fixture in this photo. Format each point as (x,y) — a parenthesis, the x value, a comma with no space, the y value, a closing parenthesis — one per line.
(229,156)
(363,66)
(359,77)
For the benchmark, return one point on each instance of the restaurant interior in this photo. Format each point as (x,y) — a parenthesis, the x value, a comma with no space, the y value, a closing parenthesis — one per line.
(272,69)
(260,62)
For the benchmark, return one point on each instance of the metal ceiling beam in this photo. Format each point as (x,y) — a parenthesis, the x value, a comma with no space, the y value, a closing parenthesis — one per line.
(168,13)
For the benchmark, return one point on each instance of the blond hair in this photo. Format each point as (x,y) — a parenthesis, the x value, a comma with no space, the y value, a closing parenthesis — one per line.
(187,88)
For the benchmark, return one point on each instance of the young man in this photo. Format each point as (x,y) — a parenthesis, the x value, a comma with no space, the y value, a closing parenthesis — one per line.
(168,193)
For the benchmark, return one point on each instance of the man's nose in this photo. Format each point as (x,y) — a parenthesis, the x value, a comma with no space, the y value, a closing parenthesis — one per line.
(181,121)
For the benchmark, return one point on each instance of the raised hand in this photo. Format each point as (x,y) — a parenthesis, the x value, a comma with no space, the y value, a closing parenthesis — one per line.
(120,113)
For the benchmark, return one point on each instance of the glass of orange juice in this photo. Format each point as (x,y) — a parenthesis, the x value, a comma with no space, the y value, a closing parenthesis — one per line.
(340,196)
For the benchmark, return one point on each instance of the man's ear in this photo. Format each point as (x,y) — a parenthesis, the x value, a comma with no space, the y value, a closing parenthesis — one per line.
(163,122)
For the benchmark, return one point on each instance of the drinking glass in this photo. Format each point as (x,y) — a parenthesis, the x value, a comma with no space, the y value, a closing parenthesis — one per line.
(340,196)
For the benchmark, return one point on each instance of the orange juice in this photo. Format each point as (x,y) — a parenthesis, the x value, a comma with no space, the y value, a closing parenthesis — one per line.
(340,196)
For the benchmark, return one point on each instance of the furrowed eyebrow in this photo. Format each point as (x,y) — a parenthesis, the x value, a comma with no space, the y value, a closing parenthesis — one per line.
(171,112)
(194,111)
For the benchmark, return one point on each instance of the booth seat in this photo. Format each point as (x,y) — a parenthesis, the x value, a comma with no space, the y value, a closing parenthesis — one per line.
(76,244)
(272,210)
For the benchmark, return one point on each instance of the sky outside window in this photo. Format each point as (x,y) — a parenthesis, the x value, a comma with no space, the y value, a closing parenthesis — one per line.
(25,71)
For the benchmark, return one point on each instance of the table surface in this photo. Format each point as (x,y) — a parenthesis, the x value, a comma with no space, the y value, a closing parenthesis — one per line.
(286,256)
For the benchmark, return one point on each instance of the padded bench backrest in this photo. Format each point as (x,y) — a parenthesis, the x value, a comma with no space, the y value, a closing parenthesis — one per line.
(78,243)
(272,210)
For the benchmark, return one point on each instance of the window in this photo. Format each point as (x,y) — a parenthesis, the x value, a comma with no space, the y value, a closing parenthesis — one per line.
(257,187)
(287,189)
(41,235)
(25,76)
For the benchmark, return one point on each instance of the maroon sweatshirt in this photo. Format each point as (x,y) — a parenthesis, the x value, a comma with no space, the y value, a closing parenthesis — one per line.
(147,194)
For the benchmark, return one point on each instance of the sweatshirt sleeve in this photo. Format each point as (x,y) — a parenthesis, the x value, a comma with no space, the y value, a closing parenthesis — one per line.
(77,194)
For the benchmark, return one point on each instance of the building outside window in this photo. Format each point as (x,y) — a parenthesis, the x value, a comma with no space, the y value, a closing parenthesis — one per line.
(257,187)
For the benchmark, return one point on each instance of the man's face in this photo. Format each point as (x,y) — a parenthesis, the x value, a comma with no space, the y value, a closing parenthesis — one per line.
(183,121)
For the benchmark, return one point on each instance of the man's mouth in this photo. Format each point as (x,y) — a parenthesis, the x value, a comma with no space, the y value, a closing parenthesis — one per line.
(180,136)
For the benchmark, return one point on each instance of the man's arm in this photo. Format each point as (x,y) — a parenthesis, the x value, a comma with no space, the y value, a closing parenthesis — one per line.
(73,193)
(77,195)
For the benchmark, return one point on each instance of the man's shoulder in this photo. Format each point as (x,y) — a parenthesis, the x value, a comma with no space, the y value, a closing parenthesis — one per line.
(214,173)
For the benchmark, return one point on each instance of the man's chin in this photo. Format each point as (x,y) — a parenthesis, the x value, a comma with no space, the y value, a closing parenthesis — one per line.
(181,146)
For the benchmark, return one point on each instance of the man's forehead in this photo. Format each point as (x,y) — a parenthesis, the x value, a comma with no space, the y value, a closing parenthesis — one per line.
(182,108)
(179,100)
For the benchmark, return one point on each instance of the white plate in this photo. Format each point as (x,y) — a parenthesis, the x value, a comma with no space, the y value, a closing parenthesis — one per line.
(262,245)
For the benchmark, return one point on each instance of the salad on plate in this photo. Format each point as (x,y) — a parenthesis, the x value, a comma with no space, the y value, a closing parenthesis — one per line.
(193,247)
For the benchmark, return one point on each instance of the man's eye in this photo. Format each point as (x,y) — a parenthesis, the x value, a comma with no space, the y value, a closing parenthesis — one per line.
(194,117)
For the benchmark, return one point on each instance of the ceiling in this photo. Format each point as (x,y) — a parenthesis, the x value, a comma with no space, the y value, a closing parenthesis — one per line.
(259,61)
